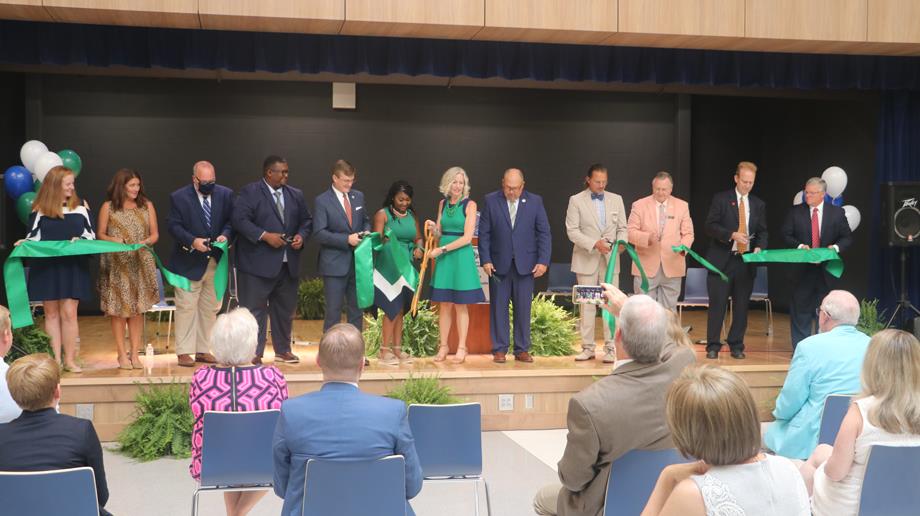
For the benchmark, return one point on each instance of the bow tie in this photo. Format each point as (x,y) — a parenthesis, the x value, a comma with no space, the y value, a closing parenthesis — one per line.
(597,196)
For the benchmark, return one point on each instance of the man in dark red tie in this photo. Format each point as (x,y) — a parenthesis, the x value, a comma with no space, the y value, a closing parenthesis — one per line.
(811,225)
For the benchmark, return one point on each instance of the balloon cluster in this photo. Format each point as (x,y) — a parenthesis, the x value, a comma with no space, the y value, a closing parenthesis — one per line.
(836,180)
(23,181)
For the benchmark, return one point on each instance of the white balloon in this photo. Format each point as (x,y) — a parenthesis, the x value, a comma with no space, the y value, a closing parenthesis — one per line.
(836,180)
(799,198)
(30,152)
(46,162)
(853,216)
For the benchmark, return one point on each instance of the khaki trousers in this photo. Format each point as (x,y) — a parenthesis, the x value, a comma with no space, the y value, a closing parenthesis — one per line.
(661,288)
(589,314)
(544,502)
(196,311)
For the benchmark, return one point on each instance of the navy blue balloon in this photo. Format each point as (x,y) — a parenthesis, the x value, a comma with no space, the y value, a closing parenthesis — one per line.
(836,201)
(17,181)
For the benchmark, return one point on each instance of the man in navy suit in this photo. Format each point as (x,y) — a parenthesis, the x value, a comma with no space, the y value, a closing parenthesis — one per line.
(339,422)
(199,214)
(514,248)
(811,225)
(737,224)
(273,223)
(340,221)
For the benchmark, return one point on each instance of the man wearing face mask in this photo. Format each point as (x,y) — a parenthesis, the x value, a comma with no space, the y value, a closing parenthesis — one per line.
(199,214)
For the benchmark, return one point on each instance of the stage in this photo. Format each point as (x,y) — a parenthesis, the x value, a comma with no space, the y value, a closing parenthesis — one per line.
(540,390)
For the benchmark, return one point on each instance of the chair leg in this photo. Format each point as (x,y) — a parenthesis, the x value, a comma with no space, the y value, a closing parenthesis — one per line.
(169,330)
(195,503)
(476,496)
(488,498)
(680,314)
(769,317)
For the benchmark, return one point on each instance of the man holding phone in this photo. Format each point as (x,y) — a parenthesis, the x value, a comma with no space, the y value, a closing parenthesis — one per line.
(737,224)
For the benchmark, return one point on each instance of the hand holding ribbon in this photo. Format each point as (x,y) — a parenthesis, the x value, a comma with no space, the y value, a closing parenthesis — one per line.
(608,278)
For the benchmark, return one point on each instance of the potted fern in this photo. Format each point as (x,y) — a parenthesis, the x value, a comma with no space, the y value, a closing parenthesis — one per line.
(552,328)
(420,333)
(425,390)
(163,425)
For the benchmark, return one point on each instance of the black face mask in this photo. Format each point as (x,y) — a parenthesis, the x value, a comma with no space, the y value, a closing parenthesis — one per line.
(206,188)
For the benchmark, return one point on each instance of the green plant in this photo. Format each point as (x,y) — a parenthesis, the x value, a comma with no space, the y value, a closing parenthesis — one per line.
(163,425)
(420,333)
(552,328)
(28,340)
(311,303)
(422,389)
(871,321)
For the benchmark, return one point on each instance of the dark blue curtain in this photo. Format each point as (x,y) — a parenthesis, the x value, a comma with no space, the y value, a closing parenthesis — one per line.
(897,159)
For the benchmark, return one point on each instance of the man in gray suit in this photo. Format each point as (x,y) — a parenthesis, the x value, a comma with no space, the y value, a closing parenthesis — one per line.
(621,412)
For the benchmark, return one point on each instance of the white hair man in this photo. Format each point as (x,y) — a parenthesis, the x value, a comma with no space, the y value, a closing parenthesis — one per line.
(619,413)
(9,410)
(827,363)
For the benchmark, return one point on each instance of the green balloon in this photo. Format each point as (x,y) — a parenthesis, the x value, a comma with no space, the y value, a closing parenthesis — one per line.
(71,160)
(24,206)
(37,185)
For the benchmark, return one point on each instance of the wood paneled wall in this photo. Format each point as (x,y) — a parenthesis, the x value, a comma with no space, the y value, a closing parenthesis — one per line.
(299,16)
(453,19)
(556,21)
(145,13)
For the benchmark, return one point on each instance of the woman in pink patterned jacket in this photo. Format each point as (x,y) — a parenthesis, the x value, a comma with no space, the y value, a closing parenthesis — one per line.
(233,385)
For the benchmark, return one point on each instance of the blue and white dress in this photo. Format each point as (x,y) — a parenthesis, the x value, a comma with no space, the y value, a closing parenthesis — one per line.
(66,277)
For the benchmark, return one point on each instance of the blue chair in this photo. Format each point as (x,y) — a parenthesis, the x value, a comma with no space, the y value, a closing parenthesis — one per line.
(460,425)
(835,407)
(561,279)
(60,491)
(236,452)
(633,477)
(330,487)
(890,487)
(695,293)
(761,294)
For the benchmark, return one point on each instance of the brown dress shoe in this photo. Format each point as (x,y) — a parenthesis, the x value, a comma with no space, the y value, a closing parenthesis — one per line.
(287,358)
(186,361)
(498,357)
(523,356)
(257,360)
(207,358)
(368,362)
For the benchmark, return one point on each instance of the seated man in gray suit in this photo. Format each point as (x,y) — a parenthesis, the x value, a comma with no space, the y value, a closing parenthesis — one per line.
(618,413)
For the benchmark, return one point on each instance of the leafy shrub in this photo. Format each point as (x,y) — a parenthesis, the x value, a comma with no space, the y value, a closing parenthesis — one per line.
(422,389)
(871,321)
(28,340)
(163,425)
(311,303)
(552,328)
(421,335)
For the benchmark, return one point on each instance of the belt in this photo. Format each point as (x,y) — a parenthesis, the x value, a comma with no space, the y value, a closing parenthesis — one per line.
(452,233)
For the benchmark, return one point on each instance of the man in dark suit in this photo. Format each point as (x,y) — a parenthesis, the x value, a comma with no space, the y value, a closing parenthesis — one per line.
(40,439)
(341,219)
(199,214)
(273,223)
(514,248)
(737,224)
(811,225)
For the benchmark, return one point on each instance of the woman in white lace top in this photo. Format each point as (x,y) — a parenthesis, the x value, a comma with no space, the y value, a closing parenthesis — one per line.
(713,418)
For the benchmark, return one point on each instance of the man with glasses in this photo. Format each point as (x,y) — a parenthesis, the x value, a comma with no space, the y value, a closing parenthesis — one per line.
(273,222)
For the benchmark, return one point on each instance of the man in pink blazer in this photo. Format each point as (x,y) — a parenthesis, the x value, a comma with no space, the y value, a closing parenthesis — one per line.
(656,223)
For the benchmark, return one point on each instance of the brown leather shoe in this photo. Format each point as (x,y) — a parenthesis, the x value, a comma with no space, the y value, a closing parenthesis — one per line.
(256,360)
(207,358)
(186,361)
(368,362)
(523,356)
(498,357)
(287,358)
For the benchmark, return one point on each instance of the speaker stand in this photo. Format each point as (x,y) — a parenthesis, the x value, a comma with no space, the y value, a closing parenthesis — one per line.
(904,303)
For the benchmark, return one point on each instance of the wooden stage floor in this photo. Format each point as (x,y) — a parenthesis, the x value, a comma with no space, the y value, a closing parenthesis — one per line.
(541,390)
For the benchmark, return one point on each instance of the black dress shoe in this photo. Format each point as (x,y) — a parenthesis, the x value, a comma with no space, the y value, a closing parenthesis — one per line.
(738,354)
(713,354)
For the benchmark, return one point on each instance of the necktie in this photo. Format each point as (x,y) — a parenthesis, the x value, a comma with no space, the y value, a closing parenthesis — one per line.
(207,211)
(742,225)
(512,210)
(597,196)
(662,217)
(347,208)
(278,205)
(815,231)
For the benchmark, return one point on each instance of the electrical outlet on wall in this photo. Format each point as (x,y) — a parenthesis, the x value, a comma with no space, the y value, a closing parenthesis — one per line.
(528,401)
(505,402)
(85,411)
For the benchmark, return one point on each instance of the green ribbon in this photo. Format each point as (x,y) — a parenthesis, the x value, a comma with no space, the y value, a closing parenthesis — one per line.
(702,261)
(833,264)
(364,264)
(221,274)
(608,278)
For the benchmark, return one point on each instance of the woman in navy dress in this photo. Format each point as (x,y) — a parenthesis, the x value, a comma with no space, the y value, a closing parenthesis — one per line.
(60,283)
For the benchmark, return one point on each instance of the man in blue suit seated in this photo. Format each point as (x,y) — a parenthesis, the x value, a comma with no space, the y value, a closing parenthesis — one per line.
(514,248)
(827,363)
(339,422)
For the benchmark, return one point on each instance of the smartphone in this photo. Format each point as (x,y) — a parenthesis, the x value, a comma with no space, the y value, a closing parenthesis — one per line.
(588,295)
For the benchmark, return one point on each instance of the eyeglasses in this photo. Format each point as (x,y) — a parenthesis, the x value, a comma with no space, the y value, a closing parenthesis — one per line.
(819,310)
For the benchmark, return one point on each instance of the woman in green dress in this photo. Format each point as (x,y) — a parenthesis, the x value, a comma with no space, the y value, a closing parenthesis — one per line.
(455,283)
(391,293)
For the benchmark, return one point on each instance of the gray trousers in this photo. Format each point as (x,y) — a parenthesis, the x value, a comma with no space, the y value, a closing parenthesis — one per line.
(661,288)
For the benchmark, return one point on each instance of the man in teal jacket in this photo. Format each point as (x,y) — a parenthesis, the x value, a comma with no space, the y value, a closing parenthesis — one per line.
(827,363)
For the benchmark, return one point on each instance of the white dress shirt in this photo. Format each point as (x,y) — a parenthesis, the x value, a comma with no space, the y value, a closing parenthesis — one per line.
(820,225)
(747,217)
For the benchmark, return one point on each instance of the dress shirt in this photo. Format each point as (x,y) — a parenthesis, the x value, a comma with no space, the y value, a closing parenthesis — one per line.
(512,209)
(9,410)
(747,217)
(601,212)
(341,197)
(820,222)
(271,192)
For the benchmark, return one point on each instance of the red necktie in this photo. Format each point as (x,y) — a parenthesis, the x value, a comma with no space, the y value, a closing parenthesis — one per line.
(347,209)
(815,233)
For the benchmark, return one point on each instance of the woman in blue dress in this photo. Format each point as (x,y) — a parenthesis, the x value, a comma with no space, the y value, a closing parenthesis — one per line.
(60,283)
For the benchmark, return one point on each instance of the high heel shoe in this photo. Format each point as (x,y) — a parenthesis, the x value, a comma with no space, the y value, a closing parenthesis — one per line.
(72,368)
(387,357)
(442,353)
(460,357)
(124,363)
(404,357)
(136,360)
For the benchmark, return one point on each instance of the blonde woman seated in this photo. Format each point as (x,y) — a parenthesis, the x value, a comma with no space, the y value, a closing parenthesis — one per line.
(886,413)
(713,418)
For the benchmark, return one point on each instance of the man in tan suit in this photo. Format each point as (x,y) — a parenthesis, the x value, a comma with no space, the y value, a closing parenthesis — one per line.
(594,221)
(657,223)
(621,412)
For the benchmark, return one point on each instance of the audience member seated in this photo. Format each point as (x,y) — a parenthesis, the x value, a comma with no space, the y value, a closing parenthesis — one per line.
(9,410)
(41,439)
(339,422)
(713,418)
(233,385)
(887,413)
(823,364)
(621,412)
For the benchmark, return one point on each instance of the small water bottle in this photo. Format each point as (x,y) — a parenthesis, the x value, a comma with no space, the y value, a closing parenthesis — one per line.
(149,356)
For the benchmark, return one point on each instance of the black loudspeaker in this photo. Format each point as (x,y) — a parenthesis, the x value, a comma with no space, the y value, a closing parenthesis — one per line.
(901,213)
